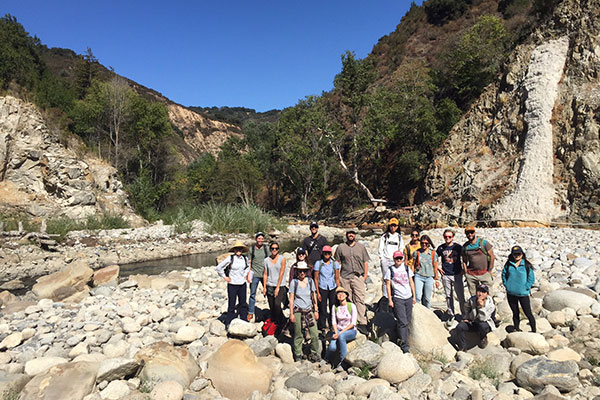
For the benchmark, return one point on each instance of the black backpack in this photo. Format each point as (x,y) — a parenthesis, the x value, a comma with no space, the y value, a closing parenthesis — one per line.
(228,268)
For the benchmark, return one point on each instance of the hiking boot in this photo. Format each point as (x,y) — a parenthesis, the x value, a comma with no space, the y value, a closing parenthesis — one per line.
(484,343)
(314,358)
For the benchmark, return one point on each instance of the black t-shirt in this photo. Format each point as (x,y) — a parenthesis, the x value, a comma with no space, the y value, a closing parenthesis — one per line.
(314,247)
(450,256)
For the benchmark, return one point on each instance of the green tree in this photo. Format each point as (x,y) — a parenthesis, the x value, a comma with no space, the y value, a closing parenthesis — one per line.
(200,177)
(19,55)
(86,72)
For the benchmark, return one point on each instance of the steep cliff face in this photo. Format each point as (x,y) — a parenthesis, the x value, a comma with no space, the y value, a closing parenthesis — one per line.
(42,178)
(529,149)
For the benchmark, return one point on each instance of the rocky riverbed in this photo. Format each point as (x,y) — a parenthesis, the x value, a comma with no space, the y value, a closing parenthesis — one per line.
(161,338)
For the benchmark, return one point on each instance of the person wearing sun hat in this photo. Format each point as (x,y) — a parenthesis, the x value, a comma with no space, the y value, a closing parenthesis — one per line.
(303,304)
(518,278)
(389,242)
(478,260)
(343,321)
(234,270)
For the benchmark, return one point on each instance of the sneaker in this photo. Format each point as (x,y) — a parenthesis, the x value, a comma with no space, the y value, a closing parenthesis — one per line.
(484,343)
(249,317)
(314,358)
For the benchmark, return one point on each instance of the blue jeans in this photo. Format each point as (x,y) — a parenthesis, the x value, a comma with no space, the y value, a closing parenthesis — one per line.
(424,288)
(341,341)
(253,288)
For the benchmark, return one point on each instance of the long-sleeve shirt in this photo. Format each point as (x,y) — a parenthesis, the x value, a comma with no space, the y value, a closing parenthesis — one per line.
(342,318)
(517,279)
(239,269)
(389,243)
(483,314)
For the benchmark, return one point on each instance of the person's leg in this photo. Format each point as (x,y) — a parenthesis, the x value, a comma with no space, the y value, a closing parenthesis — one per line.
(252,298)
(231,296)
(459,288)
(448,282)
(271,302)
(359,291)
(526,306)
(472,283)
(461,330)
(278,306)
(347,284)
(242,304)
(314,340)
(427,291)
(486,279)
(343,340)
(513,303)
(322,323)
(298,337)
(403,313)
(483,328)
(330,303)
(419,282)
(331,349)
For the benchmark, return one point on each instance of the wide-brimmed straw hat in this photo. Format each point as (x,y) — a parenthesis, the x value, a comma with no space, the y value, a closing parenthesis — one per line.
(239,244)
(341,289)
(302,265)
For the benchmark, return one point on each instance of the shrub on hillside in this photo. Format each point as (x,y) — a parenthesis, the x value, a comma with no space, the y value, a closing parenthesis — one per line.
(441,11)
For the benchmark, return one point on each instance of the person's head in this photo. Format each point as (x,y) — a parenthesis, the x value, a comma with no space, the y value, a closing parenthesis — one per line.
(351,235)
(398,258)
(426,242)
(482,292)
(326,252)
(517,254)
(341,294)
(448,236)
(301,270)
(300,254)
(393,225)
(260,239)
(470,232)
(314,228)
(238,248)
(414,235)
(274,247)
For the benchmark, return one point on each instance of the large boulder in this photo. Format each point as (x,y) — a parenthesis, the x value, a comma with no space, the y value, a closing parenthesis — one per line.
(367,354)
(559,299)
(68,285)
(396,367)
(529,342)
(165,362)
(42,364)
(236,372)
(242,329)
(108,276)
(71,381)
(304,383)
(116,368)
(426,333)
(12,383)
(538,372)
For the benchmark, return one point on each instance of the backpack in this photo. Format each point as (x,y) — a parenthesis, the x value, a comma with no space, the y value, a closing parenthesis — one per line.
(252,253)
(296,280)
(480,247)
(528,267)
(349,308)
(269,328)
(228,268)
(417,263)
(392,273)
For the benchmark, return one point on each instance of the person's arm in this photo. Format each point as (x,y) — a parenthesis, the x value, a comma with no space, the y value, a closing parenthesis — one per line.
(247,269)
(367,259)
(265,278)
(337,276)
(221,269)
(388,289)
(492,259)
(291,298)
(411,282)
(313,296)
(438,262)
(530,278)
(317,273)
(503,273)
(334,321)
(485,313)
(281,274)
(381,246)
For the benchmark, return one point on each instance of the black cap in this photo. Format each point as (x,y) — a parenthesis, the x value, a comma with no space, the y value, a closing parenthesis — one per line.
(483,288)
(314,225)
(516,250)
(300,250)
(259,234)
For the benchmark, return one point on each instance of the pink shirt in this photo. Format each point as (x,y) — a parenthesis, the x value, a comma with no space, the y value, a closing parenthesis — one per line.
(342,317)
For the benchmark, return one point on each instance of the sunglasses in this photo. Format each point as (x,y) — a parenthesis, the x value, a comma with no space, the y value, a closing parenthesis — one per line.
(326,252)
(448,237)
(469,232)
(393,224)
(424,243)
(398,258)
(414,234)
(302,254)
(274,248)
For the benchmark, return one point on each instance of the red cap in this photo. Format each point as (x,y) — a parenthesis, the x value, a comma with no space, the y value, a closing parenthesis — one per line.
(398,253)
(327,248)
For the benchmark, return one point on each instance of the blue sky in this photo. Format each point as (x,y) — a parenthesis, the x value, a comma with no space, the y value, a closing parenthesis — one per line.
(256,54)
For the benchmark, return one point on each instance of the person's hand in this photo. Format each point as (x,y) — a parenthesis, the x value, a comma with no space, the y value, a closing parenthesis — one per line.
(319,296)
(441,271)
(316,315)
(248,279)
(437,284)
(336,336)
(365,277)
(480,303)
(414,300)
(391,303)
(264,291)
(292,318)
(227,279)
(276,291)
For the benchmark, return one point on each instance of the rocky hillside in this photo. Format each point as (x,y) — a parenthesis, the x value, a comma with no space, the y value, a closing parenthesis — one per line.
(529,149)
(41,177)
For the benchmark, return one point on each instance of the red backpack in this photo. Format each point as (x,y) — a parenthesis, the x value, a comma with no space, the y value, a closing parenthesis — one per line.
(269,328)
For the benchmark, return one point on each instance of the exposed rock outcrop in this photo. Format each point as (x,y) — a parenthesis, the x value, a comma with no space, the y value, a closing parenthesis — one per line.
(491,168)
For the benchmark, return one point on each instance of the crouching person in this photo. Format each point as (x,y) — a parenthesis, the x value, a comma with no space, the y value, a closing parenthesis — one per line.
(479,317)
(303,301)
(343,321)
(234,270)
(401,293)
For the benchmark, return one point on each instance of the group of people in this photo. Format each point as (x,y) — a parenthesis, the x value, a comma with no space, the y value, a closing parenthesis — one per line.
(326,292)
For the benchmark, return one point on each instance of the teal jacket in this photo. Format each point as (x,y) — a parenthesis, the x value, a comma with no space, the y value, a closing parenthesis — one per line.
(515,279)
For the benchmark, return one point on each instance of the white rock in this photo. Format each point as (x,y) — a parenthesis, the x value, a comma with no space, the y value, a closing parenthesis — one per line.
(11,341)
(284,352)
(188,334)
(533,343)
(115,390)
(397,367)
(167,390)
(42,364)
(243,329)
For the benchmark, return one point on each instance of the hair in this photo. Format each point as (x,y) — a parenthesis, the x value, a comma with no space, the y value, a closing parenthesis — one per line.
(449,231)
(272,243)
(426,237)
(415,230)
(527,263)
(337,302)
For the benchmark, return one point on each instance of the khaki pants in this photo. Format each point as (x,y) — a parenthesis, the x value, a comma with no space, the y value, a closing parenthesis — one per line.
(474,280)
(358,289)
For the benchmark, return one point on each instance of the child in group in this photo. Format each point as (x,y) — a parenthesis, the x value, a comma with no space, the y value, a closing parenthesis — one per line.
(402,295)
(303,302)
(327,279)
(343,320)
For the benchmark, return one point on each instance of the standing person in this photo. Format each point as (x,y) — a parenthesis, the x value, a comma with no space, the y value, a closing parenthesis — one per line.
(257,266)
(479,310)
(478,260)
(234,270)
(426,271)
(452,279)
(301,255)
(518,278)
(390,242)
(303,302)
(411,247)
(354,269)
(401,296)
(343,321)
(327,279)
(273,277)
(314,243)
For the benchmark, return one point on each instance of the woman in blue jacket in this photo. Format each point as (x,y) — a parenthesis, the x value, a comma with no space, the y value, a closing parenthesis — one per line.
(518,277)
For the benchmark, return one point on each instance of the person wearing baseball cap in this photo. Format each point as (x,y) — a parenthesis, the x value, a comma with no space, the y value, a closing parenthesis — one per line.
(314,243)
(327,278)
(479,317)
(518,278)
(389,242)
(401,296)
(478,260)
